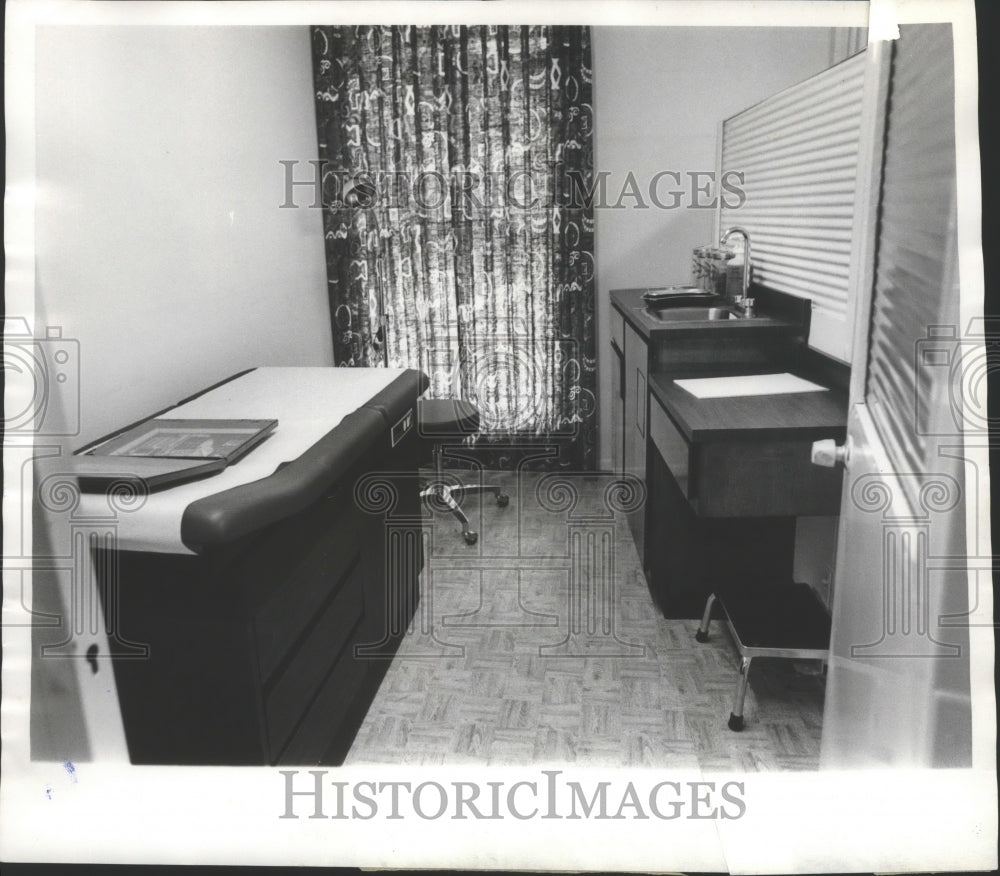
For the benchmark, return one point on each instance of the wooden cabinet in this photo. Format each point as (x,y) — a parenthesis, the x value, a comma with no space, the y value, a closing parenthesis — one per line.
(715,505)
(266,645)
(636,407)
(727,478)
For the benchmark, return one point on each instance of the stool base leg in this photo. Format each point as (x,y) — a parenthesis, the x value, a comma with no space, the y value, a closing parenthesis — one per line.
(444,494)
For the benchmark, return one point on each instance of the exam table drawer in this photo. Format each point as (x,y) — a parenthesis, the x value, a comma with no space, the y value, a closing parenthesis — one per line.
(283,619)
(330,639)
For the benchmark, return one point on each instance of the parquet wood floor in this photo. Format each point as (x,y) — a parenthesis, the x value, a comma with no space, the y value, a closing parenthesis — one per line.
(541,644)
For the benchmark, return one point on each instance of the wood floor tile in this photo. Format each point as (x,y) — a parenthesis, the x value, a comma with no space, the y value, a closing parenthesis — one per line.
(554,745)
(510,747)
(473,739)
(560,688)
(560,716)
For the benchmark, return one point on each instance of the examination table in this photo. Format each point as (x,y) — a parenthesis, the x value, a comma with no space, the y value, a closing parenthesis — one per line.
(253,614)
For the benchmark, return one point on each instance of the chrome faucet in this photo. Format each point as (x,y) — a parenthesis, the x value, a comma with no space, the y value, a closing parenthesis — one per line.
(744,302)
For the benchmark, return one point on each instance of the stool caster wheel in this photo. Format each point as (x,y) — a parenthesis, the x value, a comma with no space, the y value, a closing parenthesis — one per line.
(735,722)
(503,500)
(701,637)
(470,536)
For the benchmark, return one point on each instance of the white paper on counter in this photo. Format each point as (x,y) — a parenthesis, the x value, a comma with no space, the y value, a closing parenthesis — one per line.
(749,384)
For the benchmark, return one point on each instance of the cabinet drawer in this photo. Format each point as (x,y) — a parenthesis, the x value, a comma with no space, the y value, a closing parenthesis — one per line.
(330,638)
(764,479)
(671,444)
(333,718)
(732,477)
(282,620)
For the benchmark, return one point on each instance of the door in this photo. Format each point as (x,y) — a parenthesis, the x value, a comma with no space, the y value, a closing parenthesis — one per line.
(898,689)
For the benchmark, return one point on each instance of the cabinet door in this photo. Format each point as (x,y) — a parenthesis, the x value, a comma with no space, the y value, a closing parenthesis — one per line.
(617,411)
(634,437)
(636,403)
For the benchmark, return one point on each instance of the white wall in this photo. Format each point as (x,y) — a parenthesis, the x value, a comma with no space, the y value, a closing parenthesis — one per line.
(162,253)
(160,243)
(659,96)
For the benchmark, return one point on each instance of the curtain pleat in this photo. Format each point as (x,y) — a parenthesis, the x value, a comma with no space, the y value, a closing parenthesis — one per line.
(485,272)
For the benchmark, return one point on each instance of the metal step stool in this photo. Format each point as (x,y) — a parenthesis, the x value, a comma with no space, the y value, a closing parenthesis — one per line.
(786,621)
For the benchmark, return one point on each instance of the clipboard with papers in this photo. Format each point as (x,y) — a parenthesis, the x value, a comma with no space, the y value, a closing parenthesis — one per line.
(161,452)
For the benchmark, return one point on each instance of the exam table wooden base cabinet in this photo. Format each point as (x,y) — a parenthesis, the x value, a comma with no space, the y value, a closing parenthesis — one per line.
(267,644)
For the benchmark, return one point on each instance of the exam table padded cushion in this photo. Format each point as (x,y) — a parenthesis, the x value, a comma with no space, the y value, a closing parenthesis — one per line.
(231,514)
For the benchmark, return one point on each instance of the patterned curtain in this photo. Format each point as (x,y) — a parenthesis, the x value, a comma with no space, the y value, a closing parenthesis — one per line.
(452,158)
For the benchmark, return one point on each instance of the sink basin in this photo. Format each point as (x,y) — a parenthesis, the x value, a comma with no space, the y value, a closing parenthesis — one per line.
(690,314)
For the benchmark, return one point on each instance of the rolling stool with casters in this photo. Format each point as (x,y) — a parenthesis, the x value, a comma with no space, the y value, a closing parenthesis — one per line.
(786,621)
(447,419)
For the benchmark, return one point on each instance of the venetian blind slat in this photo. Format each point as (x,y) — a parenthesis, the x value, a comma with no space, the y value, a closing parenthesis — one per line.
(914,281)
(798,153)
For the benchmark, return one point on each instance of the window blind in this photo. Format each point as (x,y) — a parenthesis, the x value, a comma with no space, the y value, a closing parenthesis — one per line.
(915,295)
(798,153)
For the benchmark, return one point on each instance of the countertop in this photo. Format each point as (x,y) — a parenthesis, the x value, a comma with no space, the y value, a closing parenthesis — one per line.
(630,304)
(791,416)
